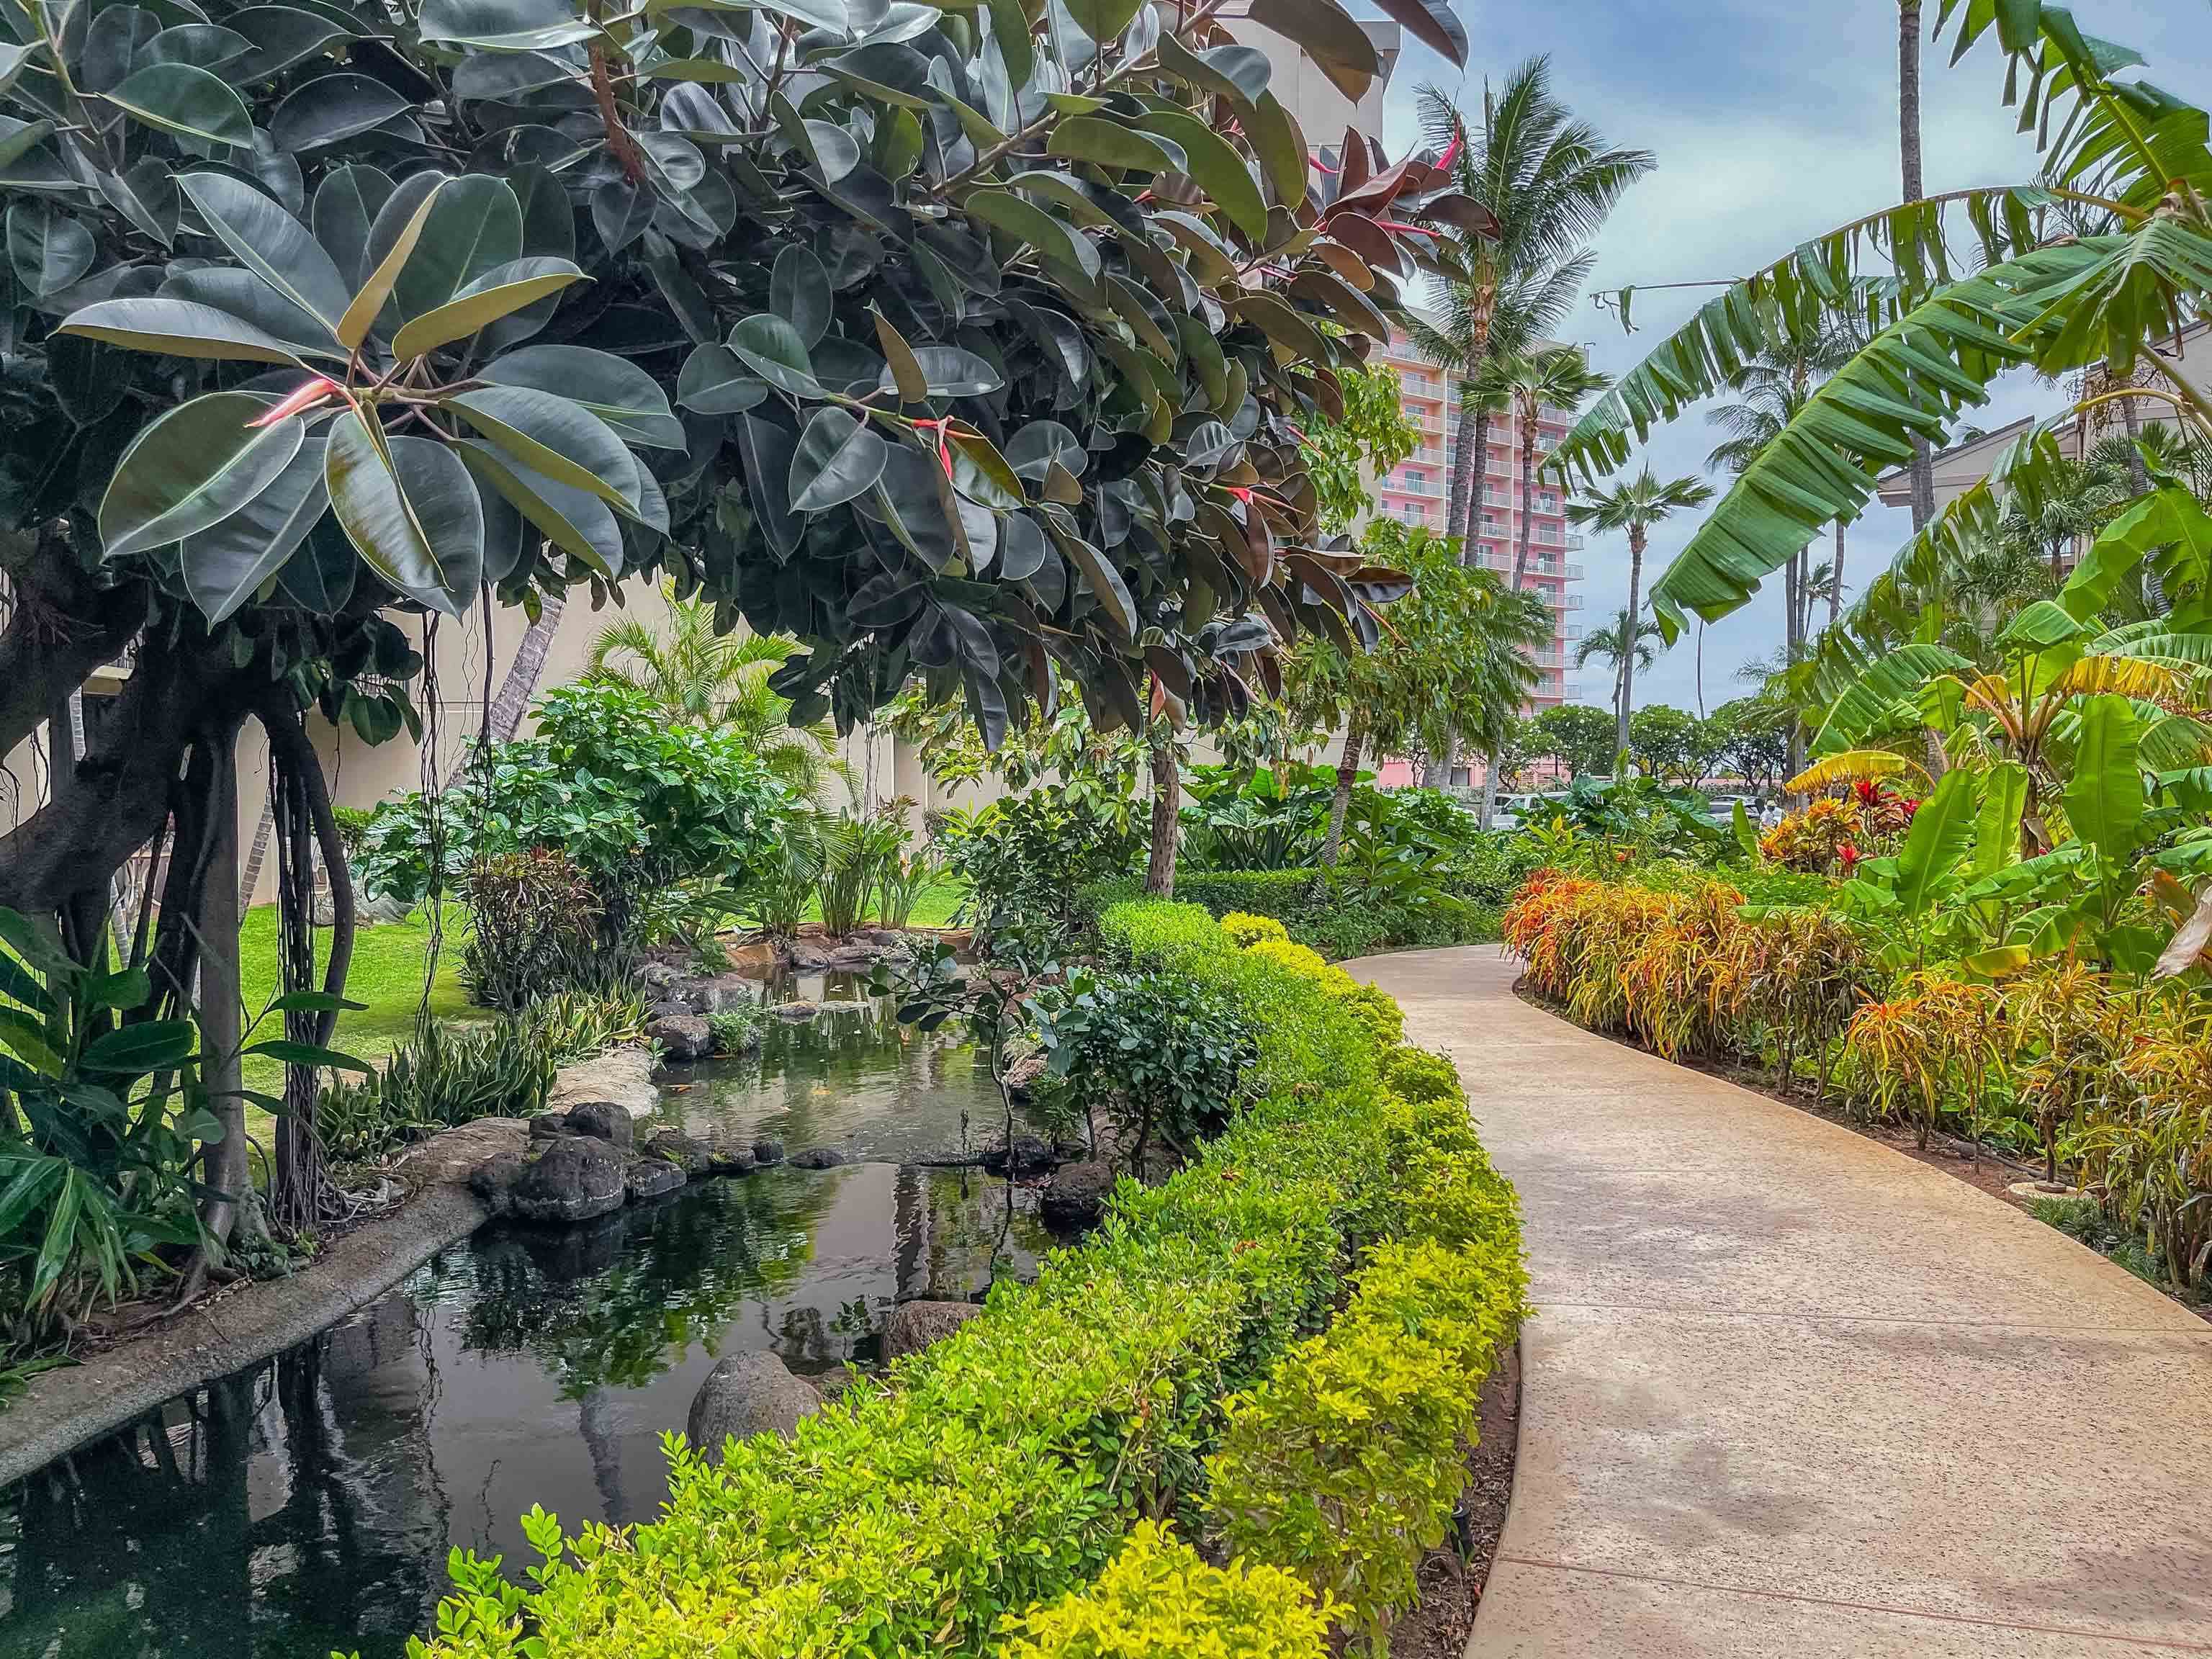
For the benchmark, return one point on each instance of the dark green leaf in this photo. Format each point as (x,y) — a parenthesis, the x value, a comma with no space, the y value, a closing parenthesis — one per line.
(772,348)
(270,242)
(225,565)
(838,458)
(714,381)
(311,1054)
(577,522)
(799,292)
(475,226)
(504,25)
(153,1045)
(431,549)
(498,292)
(191,468)
(551,434)
(620,393)
(178,328)
(49,249)
(347,203)
(281,36)
(190,102)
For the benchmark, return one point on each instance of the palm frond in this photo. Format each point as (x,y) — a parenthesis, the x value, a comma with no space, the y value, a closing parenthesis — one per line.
(1853,766)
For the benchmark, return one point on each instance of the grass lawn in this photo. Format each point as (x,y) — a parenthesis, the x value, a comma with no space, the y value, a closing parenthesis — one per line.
(387,975)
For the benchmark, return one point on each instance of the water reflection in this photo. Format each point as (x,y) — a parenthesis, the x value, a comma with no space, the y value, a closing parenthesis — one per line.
(309,1503)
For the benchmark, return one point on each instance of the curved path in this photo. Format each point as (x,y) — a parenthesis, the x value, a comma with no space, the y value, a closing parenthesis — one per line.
(1788,1392)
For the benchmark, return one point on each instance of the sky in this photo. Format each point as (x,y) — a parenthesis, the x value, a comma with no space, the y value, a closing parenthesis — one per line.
(1771,122)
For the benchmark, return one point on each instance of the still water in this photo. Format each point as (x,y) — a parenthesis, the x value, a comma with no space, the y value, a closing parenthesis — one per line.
(308,1504)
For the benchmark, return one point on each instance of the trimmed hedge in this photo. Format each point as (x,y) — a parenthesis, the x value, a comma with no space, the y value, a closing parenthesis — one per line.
(1348,920)
(1182,1362)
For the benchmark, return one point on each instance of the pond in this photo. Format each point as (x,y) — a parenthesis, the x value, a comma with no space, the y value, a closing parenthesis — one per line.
(308,1504)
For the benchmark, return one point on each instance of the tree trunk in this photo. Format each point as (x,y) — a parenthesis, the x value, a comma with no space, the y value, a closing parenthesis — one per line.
(230,1173)
(1167,802)
(1908,152)
(1472,463)
(1437,769)
(1628,648)
(1701,668)
(520,684)
(1489,789)
(1836,579)
(1348,775)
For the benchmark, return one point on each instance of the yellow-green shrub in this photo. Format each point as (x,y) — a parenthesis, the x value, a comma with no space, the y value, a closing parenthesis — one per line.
(1415,1074)
(1247,929)
(1002,1469)
(1159,1600)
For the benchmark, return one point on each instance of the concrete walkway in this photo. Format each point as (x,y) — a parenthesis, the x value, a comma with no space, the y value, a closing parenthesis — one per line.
(1791,1394)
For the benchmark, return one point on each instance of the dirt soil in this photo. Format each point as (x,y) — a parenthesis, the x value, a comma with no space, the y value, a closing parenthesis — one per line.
(1451,1578)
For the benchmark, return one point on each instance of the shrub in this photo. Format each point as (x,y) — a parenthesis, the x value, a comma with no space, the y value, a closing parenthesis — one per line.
(533,926)
(589,1019)
(446,1076)
(736,1029)
(857,854)
(1159,1600)
(1161,1054)
(1348,917)
(1034,851)
(1416,1075)
(1001,1469)
(1245,929)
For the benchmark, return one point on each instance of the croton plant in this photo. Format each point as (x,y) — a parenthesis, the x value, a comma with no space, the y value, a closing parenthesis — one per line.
(949,339)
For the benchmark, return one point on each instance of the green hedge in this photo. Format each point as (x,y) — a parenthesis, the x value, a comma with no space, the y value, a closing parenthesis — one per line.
(1346,920)
(1183,1364)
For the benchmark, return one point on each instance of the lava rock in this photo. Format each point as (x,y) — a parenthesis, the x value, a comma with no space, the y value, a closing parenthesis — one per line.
(797,1012)
(729,1160)
(494,1180)
(574,1179)
(1021,1075)
(683,1036)
(1029,1155)
(550,1126)
(649,1177)
(729,991)
(746,1395)
(1076,1195)
(850,959)
(768,1151)
(820,1158)
(687,1152)
(604,1120)
(807,956)
(671,989)
(913,1326)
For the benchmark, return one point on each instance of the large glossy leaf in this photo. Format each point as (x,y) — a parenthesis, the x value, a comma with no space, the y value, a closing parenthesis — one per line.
(1220,171)
(431,549)
(377,281)
(225,564)
(500,291)
(320,576)
(715,380)
(332,108)
(47,248)
(799,292)
(1330,36)
(1053,238)
(346,204)
(767,450)
(270,242)
(1432,23)
(551,434)
(281,36)
(204,45)
(2105,798)
(772,348)
(1114,144)
(1942,834)
(178,328)
(837,458)
(577,522)
(948,372)
(187,101)
(504,25)
(475,226)
(245,297)
(2168,520)
(620,393)
(191,468)
(1281,148)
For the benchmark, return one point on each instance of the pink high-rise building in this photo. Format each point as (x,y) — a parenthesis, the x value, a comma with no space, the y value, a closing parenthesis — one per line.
(1416,491)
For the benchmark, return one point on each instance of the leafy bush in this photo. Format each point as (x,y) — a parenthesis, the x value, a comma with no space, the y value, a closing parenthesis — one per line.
(590,1018)
(857,854)
(1159,1600)
(1347,918)
(1159,1054)
(447,1075)
(640,805)
(1245,929)
(1416,1075)
(1032,853)
(533,926)
(1001,1469)
(736,1028)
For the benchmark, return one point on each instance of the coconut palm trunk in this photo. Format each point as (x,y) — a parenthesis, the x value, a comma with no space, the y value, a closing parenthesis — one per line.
(1636,536)
(1528,417)
(1836,579)
(1908,151)
(520,684)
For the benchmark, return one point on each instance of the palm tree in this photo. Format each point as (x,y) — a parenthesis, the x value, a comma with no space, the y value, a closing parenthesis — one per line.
(1557,377)
(1549,181)
(1908,156)
(1634,506)
(720,681)
(1773,387)
(1610,643)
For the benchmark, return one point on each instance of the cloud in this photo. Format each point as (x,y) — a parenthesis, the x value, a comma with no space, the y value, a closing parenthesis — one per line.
(1770,124)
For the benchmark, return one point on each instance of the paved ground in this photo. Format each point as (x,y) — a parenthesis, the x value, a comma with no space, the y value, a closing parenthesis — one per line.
(1791,1394)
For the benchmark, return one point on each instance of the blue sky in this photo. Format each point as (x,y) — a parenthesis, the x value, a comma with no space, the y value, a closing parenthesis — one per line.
(1771,123)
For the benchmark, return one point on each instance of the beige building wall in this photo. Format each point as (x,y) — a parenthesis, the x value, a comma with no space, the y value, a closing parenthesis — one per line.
(1318,104)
